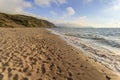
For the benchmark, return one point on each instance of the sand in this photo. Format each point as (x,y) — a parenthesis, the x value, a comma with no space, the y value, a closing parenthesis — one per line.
(37,54)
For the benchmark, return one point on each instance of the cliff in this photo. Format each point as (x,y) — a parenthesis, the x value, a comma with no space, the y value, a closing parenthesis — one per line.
(14,21)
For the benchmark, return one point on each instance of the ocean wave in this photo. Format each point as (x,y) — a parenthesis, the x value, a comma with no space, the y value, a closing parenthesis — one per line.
(98,53)
(98,39)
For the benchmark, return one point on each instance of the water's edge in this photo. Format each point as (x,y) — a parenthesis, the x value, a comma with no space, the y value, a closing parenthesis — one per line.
(93,52)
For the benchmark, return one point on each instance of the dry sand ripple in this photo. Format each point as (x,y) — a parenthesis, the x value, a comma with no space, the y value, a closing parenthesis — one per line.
(36,54)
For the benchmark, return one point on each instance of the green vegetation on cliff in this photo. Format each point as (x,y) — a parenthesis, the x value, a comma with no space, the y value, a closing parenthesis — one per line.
(14,21)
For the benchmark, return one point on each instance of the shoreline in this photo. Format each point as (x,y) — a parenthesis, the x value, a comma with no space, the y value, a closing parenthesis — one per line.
(63,37)
(38,54)
(95,52)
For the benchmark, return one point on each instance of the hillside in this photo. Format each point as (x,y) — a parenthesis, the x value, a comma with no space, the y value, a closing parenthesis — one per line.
(14,21)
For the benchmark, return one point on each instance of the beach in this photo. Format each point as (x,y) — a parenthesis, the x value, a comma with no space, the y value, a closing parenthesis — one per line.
(37,54)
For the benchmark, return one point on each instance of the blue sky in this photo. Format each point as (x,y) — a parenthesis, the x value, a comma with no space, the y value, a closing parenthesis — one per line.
(75,13)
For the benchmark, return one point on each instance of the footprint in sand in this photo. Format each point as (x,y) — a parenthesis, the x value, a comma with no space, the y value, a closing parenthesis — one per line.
(25,78)
(1,76)
(108,78)
(15,77)
(43,68)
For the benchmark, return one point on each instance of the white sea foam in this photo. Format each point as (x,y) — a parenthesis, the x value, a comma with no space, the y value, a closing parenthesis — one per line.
(96,52)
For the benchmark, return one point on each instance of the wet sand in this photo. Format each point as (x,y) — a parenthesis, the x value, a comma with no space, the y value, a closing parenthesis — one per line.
(36,54)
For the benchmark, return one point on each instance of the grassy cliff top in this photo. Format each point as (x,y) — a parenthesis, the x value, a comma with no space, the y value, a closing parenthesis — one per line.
(16,21)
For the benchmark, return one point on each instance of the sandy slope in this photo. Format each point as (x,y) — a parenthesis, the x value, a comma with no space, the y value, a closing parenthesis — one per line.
(36,54)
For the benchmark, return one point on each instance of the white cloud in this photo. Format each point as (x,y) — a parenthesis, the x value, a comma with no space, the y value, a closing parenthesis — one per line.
(112,6)
(84,21)
(73,22)
(47,3)
(69,12)
(112,9)
(115,5)
(97,22)
(43,2)
(17,7)
(81,21)
(14,6)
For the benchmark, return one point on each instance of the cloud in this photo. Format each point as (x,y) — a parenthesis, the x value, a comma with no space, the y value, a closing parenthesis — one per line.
(43,2)
(73,22)
(80,21)
(17,7)
(112,9)
(34,15)
(84,21)
(69,12)
(115,5)
(53,13)
(47,3)
(112,6)
(14,6)
(97,22)
(87,1)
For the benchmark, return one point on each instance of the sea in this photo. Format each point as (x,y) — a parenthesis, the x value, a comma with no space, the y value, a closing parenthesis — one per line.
(100,44)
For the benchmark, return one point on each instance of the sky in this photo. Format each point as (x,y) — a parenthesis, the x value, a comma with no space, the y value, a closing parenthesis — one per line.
(69,13)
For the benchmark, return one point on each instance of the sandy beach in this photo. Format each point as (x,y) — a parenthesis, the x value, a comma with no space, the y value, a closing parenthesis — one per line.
(37,54)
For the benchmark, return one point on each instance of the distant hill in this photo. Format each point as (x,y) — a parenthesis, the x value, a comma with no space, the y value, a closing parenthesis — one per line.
(14,21)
